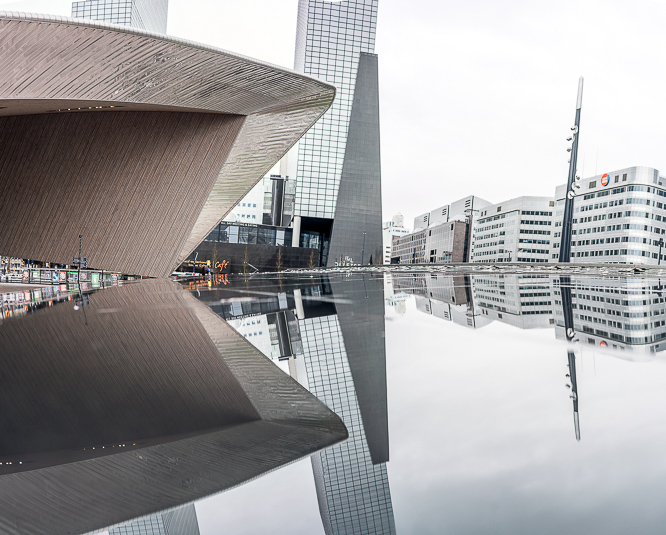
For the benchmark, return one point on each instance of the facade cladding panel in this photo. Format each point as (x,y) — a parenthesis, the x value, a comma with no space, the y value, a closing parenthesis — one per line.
(357,226)
(255,112)
(330,39)
(620,222)
(181,521)
(148,15)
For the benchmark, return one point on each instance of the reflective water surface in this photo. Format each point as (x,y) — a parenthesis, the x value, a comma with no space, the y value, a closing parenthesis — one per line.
(335,403)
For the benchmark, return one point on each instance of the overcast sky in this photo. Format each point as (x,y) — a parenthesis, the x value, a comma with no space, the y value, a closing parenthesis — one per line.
(477,97)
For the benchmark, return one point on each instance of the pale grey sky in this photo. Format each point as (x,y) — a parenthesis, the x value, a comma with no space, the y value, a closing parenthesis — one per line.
(477,97)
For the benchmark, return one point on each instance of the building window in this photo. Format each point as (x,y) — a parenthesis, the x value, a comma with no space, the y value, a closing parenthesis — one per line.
(593,184)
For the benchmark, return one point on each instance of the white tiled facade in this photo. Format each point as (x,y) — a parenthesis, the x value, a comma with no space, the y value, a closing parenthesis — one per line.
(330,38)
(619,222)
(145,14)
(395,227)
(517,230)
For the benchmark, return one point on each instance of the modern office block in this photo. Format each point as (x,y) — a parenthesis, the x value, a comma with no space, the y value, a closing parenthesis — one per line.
(148,15)
(440,236)
(619,217)
(142,155)
(516,230)
(338,206)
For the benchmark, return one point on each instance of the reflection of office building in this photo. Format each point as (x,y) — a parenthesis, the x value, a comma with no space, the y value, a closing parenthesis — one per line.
(181,521)
(340,358)
(148,15)
(627,314)
(619,217)
(517,230)
(346,506)
(448,297)
(338,209)
(521,300)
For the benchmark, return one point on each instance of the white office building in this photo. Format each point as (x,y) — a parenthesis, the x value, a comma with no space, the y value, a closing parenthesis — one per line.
(395,227)
(251,208)
(619,217)
(517,230)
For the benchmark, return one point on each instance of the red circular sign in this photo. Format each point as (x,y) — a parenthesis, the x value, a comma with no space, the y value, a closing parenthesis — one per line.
(605,179)
(603,344)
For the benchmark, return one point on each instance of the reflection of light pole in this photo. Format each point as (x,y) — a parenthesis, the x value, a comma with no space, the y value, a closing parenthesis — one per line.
(661,244)
(363,250)
(567,310)
(572,182)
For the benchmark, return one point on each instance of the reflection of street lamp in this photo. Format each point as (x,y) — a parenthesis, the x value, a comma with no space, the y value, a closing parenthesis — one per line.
(363,250)
(661,244)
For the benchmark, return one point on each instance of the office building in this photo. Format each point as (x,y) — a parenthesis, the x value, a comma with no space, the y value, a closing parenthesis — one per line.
(162,150)
(338,195)
(395,227)
(442,235)
(148,15)
(619,217)
(410,248)
(250,209)
(517,230)
(181,521)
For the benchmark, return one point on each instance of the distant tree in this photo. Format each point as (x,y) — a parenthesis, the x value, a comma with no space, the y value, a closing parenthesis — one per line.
(278,259)
(246,260)
(311,262)
(214,259)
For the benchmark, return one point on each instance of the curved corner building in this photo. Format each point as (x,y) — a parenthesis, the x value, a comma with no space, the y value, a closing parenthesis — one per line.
(139,142)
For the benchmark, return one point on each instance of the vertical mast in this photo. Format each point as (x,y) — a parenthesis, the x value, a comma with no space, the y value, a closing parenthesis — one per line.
(567,222)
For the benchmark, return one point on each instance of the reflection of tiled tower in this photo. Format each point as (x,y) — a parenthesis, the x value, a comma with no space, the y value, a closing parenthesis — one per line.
(337,351)
(181,521)
(338,201)
(146,14)
(353,493)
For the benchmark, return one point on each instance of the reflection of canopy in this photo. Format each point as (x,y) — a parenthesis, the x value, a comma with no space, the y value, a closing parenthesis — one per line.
(176,405)
(138,141)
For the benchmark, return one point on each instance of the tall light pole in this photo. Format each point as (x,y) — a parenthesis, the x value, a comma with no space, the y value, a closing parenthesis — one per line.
(567,221)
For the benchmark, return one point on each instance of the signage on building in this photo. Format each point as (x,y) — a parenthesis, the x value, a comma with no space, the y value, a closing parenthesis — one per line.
(603,344)
(605,179)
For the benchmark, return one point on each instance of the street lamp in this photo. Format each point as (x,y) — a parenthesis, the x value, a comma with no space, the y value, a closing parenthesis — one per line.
(572,182)
(661,244)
